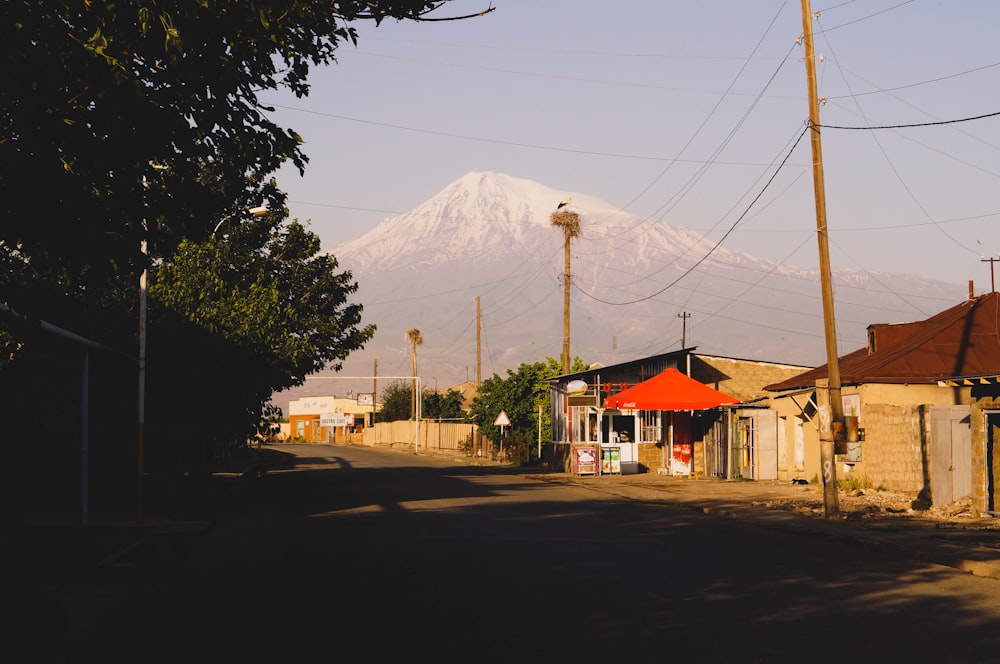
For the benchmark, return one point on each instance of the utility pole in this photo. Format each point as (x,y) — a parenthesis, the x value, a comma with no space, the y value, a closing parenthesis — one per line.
(684,328)
(479,359)
(479,372)
(991,260)
(570,224)
(831,433)
(566,277)
(374,390)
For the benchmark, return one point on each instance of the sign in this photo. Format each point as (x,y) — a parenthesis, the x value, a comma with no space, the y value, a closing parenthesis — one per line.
(502,420)
(366,398)
(333,420)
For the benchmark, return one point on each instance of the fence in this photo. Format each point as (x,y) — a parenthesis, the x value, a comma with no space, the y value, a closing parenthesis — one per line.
(435,437)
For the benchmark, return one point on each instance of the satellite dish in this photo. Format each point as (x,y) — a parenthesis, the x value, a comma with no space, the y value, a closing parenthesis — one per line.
(576,387)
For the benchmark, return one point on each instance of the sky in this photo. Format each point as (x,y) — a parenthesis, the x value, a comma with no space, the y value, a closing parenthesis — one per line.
(694,114)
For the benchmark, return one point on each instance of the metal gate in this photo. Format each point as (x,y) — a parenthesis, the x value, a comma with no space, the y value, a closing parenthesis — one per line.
(951,453)
(758,434)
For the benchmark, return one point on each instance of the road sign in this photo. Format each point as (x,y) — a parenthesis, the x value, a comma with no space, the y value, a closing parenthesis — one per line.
(502,420)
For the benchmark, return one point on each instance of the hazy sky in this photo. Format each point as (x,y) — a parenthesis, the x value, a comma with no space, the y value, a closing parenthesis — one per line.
(687,112)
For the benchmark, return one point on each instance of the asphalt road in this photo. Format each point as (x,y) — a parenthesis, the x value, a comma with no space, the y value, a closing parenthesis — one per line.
(379,555)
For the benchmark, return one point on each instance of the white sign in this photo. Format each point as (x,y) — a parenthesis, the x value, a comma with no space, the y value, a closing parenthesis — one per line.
(502,420)
(333,420)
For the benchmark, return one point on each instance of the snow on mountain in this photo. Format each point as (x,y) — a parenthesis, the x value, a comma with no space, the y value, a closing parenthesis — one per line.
(483,215)
(489,236)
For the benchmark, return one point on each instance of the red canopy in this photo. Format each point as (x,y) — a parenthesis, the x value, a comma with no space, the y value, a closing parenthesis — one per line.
(670,390)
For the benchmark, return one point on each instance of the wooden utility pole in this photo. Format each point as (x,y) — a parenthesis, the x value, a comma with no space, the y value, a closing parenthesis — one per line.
(684,328)
(833,431)
(565,345)
(374,390)
(479,358)
(991,260)
(569,222)
(479,374)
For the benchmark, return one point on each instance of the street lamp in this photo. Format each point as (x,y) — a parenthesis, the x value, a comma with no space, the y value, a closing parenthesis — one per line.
(258,211)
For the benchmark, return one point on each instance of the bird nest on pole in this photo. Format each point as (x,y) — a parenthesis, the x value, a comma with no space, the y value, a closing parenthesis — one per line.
(568,221)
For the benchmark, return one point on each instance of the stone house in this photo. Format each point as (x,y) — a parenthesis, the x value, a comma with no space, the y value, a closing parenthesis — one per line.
(922,404)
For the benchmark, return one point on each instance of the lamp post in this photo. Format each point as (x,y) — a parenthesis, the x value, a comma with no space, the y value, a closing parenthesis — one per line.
(258,211)
(141,393)
(141,390)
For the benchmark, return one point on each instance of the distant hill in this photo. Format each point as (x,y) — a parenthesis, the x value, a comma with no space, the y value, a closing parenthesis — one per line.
(489,235)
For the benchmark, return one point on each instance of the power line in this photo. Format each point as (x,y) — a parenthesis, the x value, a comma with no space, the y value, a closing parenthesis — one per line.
(907,126)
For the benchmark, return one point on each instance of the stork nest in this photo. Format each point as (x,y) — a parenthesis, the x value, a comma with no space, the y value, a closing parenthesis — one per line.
(568,221)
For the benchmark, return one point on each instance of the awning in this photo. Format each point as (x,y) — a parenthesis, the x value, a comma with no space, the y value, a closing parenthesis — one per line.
(670,390)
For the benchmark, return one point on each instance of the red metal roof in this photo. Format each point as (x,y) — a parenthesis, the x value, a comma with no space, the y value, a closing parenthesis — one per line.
(960,342)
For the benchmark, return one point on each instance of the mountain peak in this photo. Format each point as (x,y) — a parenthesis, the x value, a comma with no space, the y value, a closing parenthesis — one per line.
(483,215)
(482,256)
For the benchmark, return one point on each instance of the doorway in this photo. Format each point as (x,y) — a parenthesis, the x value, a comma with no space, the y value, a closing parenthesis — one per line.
(951,454)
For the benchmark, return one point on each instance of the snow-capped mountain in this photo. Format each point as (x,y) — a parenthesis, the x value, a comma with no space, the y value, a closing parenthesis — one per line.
(639,287)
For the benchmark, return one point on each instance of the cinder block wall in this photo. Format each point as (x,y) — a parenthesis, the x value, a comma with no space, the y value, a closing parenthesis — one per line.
(741,379)
(980,472)
(650,457)
(895,453)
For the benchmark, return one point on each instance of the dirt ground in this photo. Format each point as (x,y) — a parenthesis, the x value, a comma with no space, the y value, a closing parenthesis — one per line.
(884,508)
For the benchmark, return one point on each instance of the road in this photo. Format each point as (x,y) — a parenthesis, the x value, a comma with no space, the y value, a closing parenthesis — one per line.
(382,555)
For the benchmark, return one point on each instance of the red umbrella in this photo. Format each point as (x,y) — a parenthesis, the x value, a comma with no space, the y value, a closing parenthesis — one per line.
(670,390)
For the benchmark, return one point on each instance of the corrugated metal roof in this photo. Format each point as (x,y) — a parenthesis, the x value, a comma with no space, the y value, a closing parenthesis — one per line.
(963,341)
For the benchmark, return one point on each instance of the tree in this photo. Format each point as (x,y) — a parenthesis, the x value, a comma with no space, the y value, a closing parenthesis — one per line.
(397,400)
(140,124)
(266,289)
(447,406)
(141,121)
(413,336)
(519,395)
(269,425)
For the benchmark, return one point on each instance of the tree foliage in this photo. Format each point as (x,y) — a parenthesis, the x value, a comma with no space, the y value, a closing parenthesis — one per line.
(397,401)
(519,395)
(129,131)
(447,406)
(266,288)
(134,113)
(137,120)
